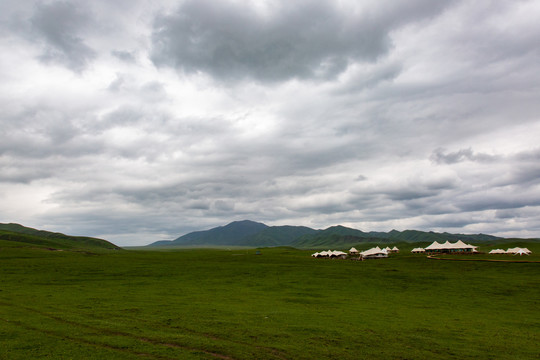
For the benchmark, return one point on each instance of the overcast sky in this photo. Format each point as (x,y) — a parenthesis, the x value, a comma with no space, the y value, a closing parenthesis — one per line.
(137,121)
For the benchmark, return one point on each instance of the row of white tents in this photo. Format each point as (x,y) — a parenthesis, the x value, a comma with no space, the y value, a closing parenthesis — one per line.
(460,246)
(330,254)
(395,249)
(447,247)
(514,251)
(375,252)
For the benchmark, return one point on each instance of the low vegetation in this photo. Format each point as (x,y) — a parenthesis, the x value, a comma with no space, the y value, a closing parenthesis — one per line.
(278,304)
(15,235)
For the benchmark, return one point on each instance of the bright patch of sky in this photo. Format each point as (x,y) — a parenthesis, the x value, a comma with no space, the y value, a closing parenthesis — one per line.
(138,121)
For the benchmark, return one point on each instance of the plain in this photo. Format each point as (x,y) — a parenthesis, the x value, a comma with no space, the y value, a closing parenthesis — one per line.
(278,304)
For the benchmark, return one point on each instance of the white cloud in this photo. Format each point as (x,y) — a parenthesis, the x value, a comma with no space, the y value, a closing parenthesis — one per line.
(376,115)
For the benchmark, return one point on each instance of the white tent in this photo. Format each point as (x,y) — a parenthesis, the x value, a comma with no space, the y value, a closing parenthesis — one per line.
(497,251)
(395,249)
(521,252)
(527,251)
(375,252)
(435,246)
(458,246)
(338,253)
(418,250)
(353,251)
(518,250)
(461,246)
(315,254)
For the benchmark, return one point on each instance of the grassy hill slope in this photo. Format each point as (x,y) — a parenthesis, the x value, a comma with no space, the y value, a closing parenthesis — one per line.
(18,235)
(340,236)
(223,235)
(276,236)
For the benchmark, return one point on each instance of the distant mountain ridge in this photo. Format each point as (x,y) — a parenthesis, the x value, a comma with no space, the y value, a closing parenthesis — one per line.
(255,234)
(19,235)
(223,235)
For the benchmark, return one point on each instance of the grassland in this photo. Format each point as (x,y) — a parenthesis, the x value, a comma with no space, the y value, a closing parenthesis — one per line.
(15,235)
(281,304)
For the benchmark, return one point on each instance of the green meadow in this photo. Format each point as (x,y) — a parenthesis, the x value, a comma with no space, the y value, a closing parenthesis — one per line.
(279,304)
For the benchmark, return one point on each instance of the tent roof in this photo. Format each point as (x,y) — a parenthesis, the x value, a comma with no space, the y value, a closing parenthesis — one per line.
(448,245)
(374,251)
(433,246)
(517,249)
(460,244)
(395,248)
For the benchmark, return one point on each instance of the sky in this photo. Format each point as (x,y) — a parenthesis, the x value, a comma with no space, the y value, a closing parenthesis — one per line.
(137,121)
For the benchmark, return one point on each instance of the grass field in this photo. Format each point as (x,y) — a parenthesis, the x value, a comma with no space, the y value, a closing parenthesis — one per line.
(281,304)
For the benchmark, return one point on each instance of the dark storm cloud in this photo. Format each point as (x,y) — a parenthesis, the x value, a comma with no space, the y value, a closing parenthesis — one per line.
(523,175)
(530,156)
(14,173)
(46,132)
(58,25)
(441,156)
(405,198)
(300,39)
(370,76)
(181,116)
(507,213)
(127,56)
(498,201)
(521,169)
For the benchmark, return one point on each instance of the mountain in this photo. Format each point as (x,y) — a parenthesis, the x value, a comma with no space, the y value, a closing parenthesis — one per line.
(229,234)
(254,234)
(240,233)
(328,239)
(332,236)
(276,235)
(18,235)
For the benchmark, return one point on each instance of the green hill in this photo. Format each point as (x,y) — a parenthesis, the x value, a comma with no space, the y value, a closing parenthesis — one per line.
(240,233)
(340,236)
(12,235)
(254,234)
(333,236)
(276,235)
(230,234)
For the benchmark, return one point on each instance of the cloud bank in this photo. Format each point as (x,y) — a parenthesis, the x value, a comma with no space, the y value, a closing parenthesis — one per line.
(138,122)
